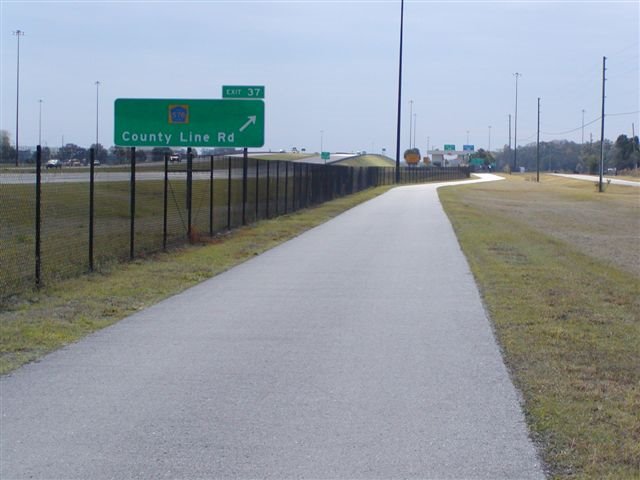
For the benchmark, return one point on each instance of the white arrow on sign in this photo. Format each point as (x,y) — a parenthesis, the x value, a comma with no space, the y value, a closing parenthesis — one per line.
(252,119)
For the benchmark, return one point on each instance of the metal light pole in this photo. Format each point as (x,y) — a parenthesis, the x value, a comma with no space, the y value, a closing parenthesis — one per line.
(415,127)
(467,137)
(18,34)
(40,122)
(97,89)
(399,95)
(410,122)
(489,147)
(321,135)
(515,126)
(582,141)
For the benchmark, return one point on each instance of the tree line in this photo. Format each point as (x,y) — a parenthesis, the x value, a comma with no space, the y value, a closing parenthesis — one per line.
(568,156)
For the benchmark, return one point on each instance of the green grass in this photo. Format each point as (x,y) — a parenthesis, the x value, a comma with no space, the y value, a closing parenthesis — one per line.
(282,156)
(368,160)
(36,323)
(65,223)
(565,309)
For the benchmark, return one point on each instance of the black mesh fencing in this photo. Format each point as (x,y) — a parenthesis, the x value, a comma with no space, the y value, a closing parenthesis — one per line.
(58,223)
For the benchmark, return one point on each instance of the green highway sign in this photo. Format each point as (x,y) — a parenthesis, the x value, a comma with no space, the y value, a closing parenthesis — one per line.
(243,91)
(150,122)
(449,147)
(325,155)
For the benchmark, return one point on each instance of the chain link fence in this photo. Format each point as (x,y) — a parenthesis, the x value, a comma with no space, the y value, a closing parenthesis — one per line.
(57,223)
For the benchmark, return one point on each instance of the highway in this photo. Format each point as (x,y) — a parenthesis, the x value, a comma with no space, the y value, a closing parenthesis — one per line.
(360,349)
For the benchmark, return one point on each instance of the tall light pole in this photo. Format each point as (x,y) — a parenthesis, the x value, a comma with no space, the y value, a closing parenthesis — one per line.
(410,122)
(18,34)
(40,122)
(321,139)
(467,137)
(415,127)
(97,89)
(582,141)
(489,147)
(399,95)
(515,126)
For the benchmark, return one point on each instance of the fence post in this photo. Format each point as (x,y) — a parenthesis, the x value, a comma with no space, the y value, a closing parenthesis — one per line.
(229,195)
(38,211)
(132,204)
(306,185)
(293,188)
(165,202)
(277,187)
(189,190)
(257,188)
(211,196)
(92,156)
(245,168)
(267,194)
(286,185)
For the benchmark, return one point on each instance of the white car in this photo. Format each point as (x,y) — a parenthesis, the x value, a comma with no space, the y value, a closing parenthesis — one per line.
(54,163)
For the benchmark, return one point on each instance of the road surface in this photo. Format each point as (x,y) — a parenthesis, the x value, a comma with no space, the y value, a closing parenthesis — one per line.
(596,179)
(360,349)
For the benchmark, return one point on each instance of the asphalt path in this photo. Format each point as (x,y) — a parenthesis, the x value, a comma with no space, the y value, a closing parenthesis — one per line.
(596,178)
(359,349)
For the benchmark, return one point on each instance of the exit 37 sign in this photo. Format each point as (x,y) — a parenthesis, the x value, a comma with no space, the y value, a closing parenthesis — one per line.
(243,91)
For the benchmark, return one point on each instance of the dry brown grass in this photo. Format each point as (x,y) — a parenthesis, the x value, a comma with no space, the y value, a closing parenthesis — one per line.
(556,263)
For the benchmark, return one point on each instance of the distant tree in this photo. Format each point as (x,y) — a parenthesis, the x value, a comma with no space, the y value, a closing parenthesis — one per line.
(141,156)
(487,157)
(158,153)
(46,155)
(7,152)
(118,155)
(72,151)
(101,153)
(624,151)
(557,155)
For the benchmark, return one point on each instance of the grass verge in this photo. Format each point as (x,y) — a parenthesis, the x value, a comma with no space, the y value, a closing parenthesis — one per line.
(64,312)
(565,314)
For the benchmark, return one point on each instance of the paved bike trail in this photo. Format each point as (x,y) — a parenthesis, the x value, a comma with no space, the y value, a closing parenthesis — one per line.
(359,349)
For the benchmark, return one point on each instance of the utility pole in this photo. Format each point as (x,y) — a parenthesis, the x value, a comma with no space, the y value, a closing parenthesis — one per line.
(40,122)
(633,141)
(18,34)
(538,146)
(582,142)
(410,122)
(604,69)
(399,96)
(489,147)
(97,89)
(515,128)
(415,127)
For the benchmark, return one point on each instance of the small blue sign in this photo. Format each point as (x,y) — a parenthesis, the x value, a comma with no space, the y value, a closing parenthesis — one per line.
(179,114)
(468,148)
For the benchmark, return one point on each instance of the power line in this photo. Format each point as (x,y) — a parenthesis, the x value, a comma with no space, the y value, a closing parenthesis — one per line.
(624,113)
(574,129)
(591,122)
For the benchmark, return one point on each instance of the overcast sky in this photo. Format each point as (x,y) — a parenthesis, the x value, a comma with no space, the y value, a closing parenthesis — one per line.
(328,66)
